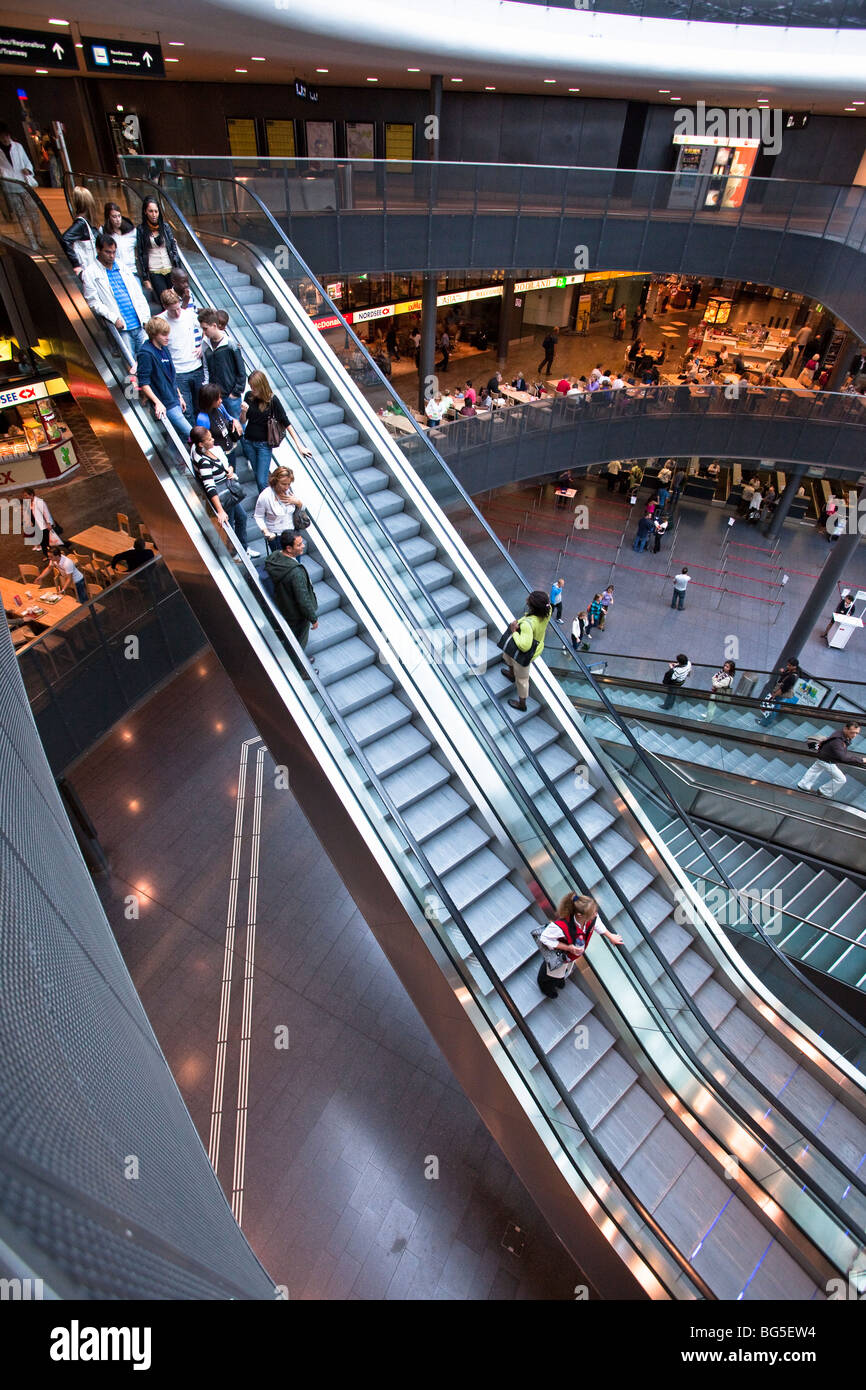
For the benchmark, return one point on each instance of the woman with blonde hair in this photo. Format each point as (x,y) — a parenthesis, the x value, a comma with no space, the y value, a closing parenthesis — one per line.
(276,507)
(266,425)
(79,239)
(563,941)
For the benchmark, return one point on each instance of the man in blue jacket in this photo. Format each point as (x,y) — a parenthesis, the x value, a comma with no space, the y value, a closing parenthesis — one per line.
(157,379)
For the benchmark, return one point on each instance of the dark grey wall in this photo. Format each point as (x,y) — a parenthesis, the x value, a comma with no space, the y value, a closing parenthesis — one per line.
(189,118)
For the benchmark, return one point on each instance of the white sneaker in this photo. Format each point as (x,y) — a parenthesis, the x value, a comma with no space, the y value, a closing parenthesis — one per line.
(254,554)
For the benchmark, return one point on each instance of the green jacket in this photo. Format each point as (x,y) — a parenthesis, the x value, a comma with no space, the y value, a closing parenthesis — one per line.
(531,630)
(296,597)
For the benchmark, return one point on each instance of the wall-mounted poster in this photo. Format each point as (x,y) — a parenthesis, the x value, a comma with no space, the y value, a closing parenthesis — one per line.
(320,139)
(399,144)
(281,139)
(360,139)
(242,137)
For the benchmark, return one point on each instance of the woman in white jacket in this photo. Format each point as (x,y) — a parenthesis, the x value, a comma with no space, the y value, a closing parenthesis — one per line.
(275,509)
(15,165)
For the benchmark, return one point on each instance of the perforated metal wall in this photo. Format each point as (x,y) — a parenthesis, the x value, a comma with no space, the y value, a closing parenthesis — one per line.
(86,1096)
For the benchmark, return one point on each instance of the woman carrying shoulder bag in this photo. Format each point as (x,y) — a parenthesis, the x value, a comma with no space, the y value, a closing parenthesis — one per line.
(723,687)
(523,642)
(266,425)
(278,509)
(564,940)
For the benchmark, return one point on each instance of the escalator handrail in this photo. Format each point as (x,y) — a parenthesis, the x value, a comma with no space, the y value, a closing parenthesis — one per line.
(745,1118)
(677,810)
(433,878)
(779,1106)
(277,623)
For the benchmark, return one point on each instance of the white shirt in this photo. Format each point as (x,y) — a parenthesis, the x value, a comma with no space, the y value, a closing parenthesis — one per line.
(681,582)
(272,515)
(99,295)
(15,164)
(618,384)
(679,674)
(66,565)
(434,410)
(42,520)
(182,340)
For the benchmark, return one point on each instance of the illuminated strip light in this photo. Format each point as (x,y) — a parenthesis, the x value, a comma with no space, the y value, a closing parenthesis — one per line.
(413,306)
(729,141)
(554,282)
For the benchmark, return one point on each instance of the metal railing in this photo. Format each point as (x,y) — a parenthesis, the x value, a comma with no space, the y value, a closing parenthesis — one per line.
(823,14)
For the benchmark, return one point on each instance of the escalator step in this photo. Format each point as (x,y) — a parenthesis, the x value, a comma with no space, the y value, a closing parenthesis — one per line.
(627,1125)
(344,659)
(355,456)
(471,880)
(397,750)
(418,550)
(606,1082)
(732,1251)
(357,691)
(714,1001)
(416,781)
(454,844)
(379,718)
(432,575)
(370,480)
(333,628)
(499,909)
(438,810)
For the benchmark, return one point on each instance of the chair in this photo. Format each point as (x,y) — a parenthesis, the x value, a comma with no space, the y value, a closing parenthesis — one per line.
(93,590)
(146,536)
(28,573)
(123,523)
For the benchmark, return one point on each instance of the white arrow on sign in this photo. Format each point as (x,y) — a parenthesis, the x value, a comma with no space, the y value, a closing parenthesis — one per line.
(58,50)
(146,58)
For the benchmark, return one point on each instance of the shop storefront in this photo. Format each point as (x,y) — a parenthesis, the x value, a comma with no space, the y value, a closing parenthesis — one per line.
(36,446)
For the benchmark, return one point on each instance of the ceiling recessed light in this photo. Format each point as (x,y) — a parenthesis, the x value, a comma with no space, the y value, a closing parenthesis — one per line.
(550,80)
(490,89)
(663,91)
(455,79)
(43,71)
(79,45)
(254,59)
(172,60)
(372,79)
(674,98)
(849,108)
(58,21)
(176,43)
(322,69)
(413,69)
(858,103)
(241,69)
(574,89)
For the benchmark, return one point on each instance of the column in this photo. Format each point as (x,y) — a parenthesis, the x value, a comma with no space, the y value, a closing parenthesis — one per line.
(505,319)
(795,478)
(432,132)
(822,597)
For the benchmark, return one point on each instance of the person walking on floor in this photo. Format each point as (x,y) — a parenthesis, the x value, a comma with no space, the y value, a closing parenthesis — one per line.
(675,678)
(549,344)
(831,752)
(526,644)
(663,480)
(595,613)
(723,684)
(293,588)
(614,468)
(681,583)
(606,603)
(564,940)
(445,349)
(556,589)
(781,694)
(39,527)
(580,633)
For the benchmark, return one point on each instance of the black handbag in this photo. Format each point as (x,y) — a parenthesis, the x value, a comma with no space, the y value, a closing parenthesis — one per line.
(235,489)
(275,430)
(301,519)
(509,648)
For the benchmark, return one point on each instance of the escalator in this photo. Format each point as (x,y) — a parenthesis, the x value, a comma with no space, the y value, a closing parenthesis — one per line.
(682,1131)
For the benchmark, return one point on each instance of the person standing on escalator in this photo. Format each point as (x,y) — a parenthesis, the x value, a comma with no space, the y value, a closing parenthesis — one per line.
(525,644)
(564,940)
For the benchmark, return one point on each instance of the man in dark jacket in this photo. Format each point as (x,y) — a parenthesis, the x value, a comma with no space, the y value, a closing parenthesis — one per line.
(223,359)
(781,694)
(831,752)
(295,595)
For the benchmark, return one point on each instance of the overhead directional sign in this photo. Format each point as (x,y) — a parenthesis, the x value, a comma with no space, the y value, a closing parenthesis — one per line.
(123,56)
(32,48)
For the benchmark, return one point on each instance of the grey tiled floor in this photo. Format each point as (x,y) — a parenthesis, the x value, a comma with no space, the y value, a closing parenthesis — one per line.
(642,622)
(342,1122)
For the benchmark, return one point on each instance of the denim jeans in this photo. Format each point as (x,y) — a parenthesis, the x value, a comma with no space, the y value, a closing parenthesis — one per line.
(132,339)
(663,497)
(679,598)
(233,406)
(259,454)
(640,542)
(189,384)
(234,509)
(179,420)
